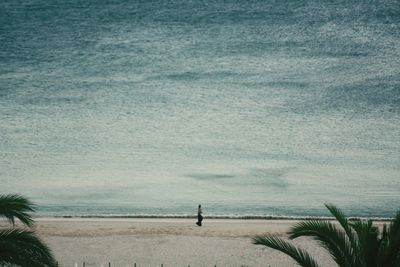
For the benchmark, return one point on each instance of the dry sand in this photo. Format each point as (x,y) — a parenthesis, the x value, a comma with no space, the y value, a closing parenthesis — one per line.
(171,242)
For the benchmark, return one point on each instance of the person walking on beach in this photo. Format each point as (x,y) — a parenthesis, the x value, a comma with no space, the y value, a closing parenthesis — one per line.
(199,216)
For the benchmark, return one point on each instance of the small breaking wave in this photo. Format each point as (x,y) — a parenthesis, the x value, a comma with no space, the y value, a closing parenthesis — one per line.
(222,217)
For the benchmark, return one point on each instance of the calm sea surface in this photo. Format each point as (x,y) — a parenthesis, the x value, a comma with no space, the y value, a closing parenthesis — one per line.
(247,107)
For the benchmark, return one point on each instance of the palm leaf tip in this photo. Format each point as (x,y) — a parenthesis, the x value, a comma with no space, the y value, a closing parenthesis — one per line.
(335,211)
(301,256)
(16,206)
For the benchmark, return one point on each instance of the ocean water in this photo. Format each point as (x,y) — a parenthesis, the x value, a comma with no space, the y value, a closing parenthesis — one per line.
(247,107)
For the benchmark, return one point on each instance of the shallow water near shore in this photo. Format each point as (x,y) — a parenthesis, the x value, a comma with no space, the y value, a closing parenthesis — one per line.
(261,108)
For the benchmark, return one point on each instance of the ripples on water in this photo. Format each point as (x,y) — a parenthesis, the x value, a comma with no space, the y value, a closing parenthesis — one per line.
(268,107)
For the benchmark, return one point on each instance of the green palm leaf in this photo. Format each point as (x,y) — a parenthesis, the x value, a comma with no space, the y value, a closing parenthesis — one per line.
(383,247)
(24,248)
(358,244)
(393,242)
(368,242)
(334,240)
(341,218)
(16,206)
(300,256)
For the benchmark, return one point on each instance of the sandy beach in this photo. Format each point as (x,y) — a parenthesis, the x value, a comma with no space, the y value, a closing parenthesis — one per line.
(171,242)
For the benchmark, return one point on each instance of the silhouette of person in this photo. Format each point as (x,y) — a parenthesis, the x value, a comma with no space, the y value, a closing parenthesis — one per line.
(199,216)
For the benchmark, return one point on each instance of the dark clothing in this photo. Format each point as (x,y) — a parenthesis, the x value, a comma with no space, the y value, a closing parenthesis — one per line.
(199,217)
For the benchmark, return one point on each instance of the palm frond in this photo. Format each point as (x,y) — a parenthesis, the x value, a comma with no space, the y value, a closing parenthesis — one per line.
(300,256)
(24,248)
(350,243)
(383,245)
(369,244)
(334,240)
(341,218)
(393,239)
(16,206)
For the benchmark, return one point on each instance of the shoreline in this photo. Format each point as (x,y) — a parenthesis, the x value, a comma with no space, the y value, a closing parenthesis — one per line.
(95,227)
(211,217)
